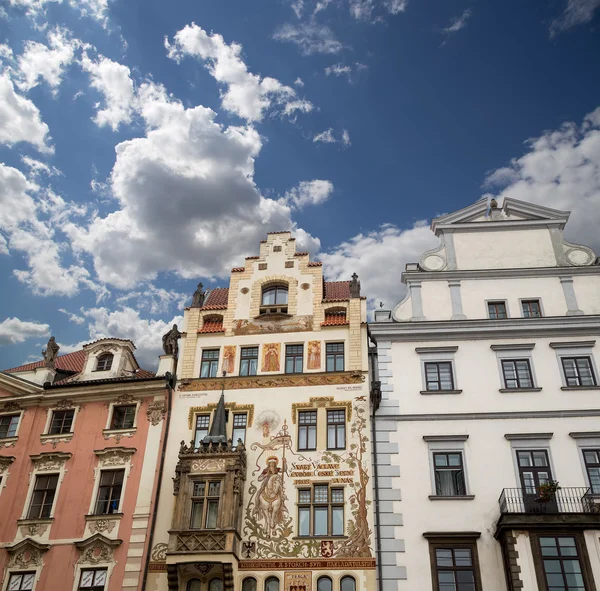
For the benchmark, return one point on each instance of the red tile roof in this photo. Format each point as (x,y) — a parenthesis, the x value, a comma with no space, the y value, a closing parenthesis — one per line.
(238,269)
(335,320)
(217,299)
(212,326)
(315,264)
(336,290)
(68,362)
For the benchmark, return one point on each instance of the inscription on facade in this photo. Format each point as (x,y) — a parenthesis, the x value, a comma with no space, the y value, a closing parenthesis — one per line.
(318,470)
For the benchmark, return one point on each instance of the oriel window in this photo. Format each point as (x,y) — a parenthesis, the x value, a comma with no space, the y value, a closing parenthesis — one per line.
(205,504)
(209,363)
(517,374)
(123,416)
(62,420)
(294,357)
(307,430)
(336,429)
(44,491)
(109,492)
(335,356)
(449,474)
(249,361)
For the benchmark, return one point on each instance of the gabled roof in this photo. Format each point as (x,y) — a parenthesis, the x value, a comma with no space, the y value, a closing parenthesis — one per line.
(72,362)
(336,290)
(217,299)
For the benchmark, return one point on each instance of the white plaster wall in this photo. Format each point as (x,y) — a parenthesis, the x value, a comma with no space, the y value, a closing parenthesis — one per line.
(587,288)
(435,296)
(523,547)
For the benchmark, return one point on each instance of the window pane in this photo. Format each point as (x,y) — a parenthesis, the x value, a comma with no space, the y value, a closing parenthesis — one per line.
(540,458)
(348,584)
(337,495)
(216,585)
(197,507)
(304,521)
(443,557)
(321,493)
(194,585)
(324,584)
(304,496)
(312,438)
(320,521)
(249,584)
(337,521)
(211,514)
(272,584)
(463,557)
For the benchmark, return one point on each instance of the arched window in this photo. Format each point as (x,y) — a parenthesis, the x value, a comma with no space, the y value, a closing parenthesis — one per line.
(104,362)
(216,585)
(194,585)
(324,584)
(272,584)
(348,584)
(275,295)
(249,584)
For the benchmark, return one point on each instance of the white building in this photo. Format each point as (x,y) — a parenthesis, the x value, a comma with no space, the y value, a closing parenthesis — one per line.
(491,396)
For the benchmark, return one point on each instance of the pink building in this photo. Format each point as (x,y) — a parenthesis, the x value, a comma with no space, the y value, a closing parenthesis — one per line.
(81,437)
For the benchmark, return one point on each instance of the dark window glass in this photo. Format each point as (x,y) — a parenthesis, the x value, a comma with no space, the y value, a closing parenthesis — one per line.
(497,310)
(249,584)
(104,362)
(562,566)
(21,581)
(216,585)
(205,504)
(275,296)
(239,427)
(449,474)
(534,469)
(294,355)
(517,373)
(348,584)
(307,430)
(324,584)
(531,308)
(43,496)
(592,465)
(61,421)
(194,585)
(8,425)
(272,584)
(438,375)
(93,579)
(123,416)
(578,371)
(109,492)
(335,356)
(249,361)
(202,425)
(336,429)
(321,511)
(454,569)
(209,363)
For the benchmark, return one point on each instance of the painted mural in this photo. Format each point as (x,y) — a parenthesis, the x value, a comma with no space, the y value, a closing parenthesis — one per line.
(229,359)
(314,354)
(265,326)
(271,353)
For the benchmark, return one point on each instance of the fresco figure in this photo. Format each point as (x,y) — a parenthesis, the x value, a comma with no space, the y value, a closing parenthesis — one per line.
(271,357)
(229,359)
(314,355)
(270,499)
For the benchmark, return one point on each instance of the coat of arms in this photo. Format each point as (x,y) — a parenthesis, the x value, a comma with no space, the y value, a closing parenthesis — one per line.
(326,548)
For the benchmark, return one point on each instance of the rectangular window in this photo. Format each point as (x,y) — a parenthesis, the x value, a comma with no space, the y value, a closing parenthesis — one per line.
(239,427)
(438,375)
(44,491)
(531,309)
(109,492)
(578,371)
(517,373)
(249,361)
(8,425)
(561,563)
(93,579)
(205,504)
(321,511)
(449,474)
(307,430)
(294,357)
(336,429)
(210,363)
(62,420)
(21,581)
(591,457)
(497,310)
(123,416)
(202,425)
(335,356)
(455,567)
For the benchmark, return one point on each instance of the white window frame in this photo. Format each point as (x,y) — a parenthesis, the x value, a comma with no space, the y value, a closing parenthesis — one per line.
(52,410)
(447,444)
(109,566)
(438,355)
(104,467)
(493,301)
(16,571)
(111,407)
(535,298)
(515,352)
(527,442)
(575,349)
(10,441)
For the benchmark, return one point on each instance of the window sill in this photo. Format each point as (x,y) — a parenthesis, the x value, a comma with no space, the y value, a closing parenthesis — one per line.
(105,523)
(580,388)
(118,433)
(300,538)
(8,442)
(98,516)
(429,392)
(55,438)
(510,390)
(451,498)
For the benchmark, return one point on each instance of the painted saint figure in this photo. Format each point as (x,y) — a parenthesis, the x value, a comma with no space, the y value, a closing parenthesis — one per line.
(314,355)
(270,499)
(271,357)
(229,359)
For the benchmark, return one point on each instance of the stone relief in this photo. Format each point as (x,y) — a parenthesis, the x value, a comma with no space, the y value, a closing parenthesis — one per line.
(10,407)
(5,462)
(210,465)
(156,412)
(96,553)
(56,439)
(115,457)
(123,399)
(49,461)
(314,355)
(266,326)
(27,554)
(34,529)
(100,525)
(159,553)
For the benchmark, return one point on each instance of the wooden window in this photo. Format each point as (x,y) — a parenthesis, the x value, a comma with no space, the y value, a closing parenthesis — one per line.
(202,425)
(209,363)
(449,474)
(517,374)
(109,492)
(534,470)
(455,566)
(561,564)
(21,582)
(275,295)
(324,584)
(272,584)
(307,430)
(348,584)
(205,504)
(8,425)
(578,371)
(294,358)
(104,362)
(123,416)
(62,420)
(531,309)
(93,579)
(320,511)
(438,375)
(240,420)
(249,361)
(42,499)
(336,429)
(249,584)
(497,310)
(335,356)
(591,457)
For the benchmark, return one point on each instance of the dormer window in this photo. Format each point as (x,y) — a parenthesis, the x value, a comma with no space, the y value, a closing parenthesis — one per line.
(274,299)
(104,362)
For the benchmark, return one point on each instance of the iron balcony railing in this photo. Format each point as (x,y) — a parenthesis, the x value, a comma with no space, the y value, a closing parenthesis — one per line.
(574,499)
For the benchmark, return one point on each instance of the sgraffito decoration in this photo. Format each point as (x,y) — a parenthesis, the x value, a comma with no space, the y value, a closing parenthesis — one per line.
(271,356)
(314,354)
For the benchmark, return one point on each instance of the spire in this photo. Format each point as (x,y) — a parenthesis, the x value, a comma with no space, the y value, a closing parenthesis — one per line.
(217,433)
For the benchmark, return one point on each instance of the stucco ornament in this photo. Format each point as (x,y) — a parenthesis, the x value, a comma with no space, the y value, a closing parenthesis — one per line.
(34,529)
(96,553)
(26,554)
(5,462)
(123,399)
(210,465)
(102,525)
(10,407)
(156,412)
(50,353)
(45,462)
(159,552)
(116,457)
(63,404)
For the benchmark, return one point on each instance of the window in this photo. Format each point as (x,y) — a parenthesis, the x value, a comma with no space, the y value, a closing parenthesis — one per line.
(93,579)
(202,425)
(21,581)
(307,430)
(205,504)
(249,361)
(449,474)
(249,584)
(275,295)
(591,458)
(194,585)
(534,469)
(240,421)
(216,585)
(109,492)
(104,362)
(43,496)
(294,358)
(561,563)
(335,356)
(497,310)
(272,584)
(531,308)
(324,584)
(517,373)
(123,416)
(438,376)
(321,511)
(62,420)
(578,371)
(454,569)
(348,584)
(210,363)
(336,429)
(8,425)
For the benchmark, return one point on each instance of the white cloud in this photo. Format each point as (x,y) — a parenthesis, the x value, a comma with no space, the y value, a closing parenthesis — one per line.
(395,6)
(37,168)
(155,300)
(298,7)
(246,94)
(16,204)
(310,37)
(96,9)
(458,23)
(577,12)
(325,137)
(345,70)
(309,193)
(14,331)
(361,9)
(299,82)
(20,119)
(75,318)
(346,138)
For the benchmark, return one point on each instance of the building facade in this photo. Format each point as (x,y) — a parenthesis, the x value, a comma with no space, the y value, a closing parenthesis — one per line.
(81,436)
(488,431)
(267,475)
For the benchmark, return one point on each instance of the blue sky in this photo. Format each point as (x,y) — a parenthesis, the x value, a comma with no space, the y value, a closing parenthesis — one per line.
(148,145)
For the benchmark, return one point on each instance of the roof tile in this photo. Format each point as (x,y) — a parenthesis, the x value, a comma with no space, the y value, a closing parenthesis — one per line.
(217,299)
(336,290)
(212,326)
(68,362)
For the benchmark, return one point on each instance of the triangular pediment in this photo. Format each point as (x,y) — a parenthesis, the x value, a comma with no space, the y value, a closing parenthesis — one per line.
(11,385)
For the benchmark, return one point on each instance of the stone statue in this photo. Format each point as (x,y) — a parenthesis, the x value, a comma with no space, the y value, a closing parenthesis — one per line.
(198,297)
(354,286)
(170,345)
(50,353)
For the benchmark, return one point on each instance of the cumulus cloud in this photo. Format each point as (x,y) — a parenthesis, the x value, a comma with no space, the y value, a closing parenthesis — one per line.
(37,168)
(577,12)
(95,9)
(155,300)
(458,23)
(14,331)
(247,95)
(310,37)
(309,193)
(395,6)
